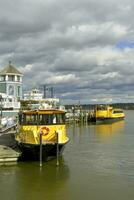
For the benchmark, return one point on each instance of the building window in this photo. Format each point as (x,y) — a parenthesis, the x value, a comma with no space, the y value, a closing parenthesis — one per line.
(19,91)
(11,78)
(18,78)
(11,90)
(2,78)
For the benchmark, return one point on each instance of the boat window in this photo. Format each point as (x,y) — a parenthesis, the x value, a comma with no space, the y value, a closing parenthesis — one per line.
(101,108)
(60,118)
(45,119)
(42,119)
(118,111)
(28,119)
(48,119)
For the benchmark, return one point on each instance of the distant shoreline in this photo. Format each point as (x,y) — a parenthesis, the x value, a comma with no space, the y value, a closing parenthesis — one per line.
(125,106)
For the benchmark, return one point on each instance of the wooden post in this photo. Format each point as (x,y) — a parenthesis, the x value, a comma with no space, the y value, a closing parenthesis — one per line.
(1,106)
(57,149)
(41,149)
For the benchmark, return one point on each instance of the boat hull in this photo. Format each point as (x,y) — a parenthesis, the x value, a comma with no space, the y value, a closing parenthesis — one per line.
(109,119)
(32,152)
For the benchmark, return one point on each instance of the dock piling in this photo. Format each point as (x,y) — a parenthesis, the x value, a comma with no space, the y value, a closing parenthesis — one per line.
(57,149)
(41,149)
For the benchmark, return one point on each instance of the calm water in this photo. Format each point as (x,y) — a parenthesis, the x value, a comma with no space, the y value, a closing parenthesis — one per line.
(98,163)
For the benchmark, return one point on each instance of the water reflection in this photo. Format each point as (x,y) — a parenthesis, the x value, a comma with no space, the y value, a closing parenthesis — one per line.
(107,130)
(30,182)
(99,164)
(77,131)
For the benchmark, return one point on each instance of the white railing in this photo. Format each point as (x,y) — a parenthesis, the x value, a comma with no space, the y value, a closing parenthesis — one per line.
(11,105)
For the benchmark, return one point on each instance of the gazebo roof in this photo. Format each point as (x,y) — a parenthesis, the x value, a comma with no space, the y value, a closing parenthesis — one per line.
(10,69)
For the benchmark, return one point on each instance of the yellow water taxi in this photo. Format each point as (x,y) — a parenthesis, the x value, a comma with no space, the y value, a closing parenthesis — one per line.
(106,113)
(44,127)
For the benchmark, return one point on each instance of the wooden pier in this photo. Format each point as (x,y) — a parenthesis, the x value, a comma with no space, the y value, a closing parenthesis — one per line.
(8,150)
(83,116)
(8,155)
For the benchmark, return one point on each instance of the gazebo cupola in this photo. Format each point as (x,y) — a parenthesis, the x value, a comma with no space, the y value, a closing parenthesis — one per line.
(11,81)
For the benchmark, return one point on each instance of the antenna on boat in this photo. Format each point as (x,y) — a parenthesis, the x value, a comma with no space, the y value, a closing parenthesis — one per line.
(44,91)
(47,90)
(52,92)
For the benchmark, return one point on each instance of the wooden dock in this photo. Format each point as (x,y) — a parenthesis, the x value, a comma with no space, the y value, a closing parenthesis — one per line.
(8,155)
(83,116)
(8,151)
(6,129)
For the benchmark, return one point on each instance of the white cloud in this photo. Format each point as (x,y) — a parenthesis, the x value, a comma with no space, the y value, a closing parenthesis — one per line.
(110,75)
(103,100)
(27,68)
(61,79)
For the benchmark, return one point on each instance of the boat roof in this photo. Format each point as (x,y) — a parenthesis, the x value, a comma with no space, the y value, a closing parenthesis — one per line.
(43,111)
(118,109)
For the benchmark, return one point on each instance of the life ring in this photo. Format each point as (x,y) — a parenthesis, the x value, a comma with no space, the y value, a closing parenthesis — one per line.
(44,131)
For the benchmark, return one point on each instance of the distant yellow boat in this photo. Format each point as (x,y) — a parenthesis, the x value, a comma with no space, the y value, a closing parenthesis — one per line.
(106,113)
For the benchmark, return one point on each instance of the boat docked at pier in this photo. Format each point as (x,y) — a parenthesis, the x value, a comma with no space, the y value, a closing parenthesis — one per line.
(108,113)
(44,127)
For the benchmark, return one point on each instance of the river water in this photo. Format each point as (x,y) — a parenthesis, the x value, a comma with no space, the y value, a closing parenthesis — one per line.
(97,163)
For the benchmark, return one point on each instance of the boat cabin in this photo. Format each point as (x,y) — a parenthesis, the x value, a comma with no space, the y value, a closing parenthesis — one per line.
(42,117)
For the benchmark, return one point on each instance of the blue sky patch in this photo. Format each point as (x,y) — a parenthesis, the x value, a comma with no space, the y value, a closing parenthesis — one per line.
(125,44)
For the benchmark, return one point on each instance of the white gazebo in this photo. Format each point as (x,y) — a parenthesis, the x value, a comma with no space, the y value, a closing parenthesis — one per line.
(10,87)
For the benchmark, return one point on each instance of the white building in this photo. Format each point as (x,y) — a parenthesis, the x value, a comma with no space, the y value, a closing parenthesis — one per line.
(44,103)
(10,87)
(35,94)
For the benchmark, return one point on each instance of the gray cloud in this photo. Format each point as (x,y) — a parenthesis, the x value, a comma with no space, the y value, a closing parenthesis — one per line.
(71,45)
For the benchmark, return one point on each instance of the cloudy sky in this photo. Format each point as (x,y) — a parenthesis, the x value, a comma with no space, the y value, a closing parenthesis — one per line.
(83,48)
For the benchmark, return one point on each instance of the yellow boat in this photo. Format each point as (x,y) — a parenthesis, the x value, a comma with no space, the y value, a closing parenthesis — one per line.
(44,127)
(108,113)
